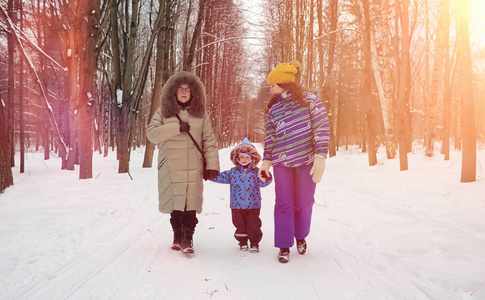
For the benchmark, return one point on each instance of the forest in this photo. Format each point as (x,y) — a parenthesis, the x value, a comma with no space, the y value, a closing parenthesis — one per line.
(81,78)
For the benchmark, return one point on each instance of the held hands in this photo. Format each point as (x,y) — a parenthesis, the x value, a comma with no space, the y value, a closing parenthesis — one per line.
(184,127)
(210,174)
(263,173)
(318,168)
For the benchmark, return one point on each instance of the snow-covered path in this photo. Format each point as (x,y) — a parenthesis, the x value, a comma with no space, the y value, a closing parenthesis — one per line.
(377,233)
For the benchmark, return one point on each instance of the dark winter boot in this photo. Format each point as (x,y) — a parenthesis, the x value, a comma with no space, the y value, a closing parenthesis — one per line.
(284,255)
(301,246)
(177,240)
(187,245)
(175,221)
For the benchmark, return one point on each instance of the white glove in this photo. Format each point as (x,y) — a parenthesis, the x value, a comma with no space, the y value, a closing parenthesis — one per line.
(318,168)
(263,173)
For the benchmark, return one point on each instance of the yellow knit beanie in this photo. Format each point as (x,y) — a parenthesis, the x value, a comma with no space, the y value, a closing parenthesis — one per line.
(284,72)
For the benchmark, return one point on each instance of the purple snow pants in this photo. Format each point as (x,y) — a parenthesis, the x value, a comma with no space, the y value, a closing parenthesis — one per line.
(295,192)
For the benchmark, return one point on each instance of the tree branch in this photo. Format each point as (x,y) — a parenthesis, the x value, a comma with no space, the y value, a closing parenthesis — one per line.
(341,29)
(229,39)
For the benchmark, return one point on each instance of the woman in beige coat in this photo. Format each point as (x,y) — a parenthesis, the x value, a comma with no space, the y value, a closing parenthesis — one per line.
(180,164)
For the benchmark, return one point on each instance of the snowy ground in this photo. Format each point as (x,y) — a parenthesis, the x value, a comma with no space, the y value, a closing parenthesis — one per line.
(377,233)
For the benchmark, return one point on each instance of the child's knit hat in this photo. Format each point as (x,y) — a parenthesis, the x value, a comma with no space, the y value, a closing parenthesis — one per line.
(248,148)
(284,72)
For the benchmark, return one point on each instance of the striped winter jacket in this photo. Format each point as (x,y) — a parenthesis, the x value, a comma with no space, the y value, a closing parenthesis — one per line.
(293,133)
(245,186)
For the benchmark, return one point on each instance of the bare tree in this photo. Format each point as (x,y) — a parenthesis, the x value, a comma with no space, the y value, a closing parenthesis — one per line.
(386,94)
(437,76)
(446,81)
(12,13)
(6,177)
(21,101)
(404,86)
(161,69)
(132,81)
(90,10)
(331,82)
(370,119)
(469,155)
(47,108)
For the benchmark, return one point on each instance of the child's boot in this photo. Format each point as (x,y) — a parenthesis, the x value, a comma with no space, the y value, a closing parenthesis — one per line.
(243,246)
(254,248)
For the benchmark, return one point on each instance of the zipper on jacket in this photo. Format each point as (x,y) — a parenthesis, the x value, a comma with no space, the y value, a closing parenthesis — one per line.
(245,198)
(187,140)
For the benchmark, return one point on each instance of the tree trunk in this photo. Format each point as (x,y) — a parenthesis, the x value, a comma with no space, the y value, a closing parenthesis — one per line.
(331,86)
(387,101)
(436,82)
(321,53)
(469,152)
(21,101)
(447,86)
(370,119)
(12,13)
(310,56)
(116,65)
(403,87)
(72,50)
(91,9)
(161,72)
(390,147)
(132,87)
(6,177)
(197,30)
(126,119)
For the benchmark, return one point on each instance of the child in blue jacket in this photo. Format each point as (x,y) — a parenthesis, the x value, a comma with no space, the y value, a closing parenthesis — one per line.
(245,194)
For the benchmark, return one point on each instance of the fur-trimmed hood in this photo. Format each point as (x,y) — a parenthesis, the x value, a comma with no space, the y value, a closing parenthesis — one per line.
(245,147)
(168,100)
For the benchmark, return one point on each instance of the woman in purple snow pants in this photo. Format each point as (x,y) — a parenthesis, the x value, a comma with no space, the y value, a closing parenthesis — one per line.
(296,146)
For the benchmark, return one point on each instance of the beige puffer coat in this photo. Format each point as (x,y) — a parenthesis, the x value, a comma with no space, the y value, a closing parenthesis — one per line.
(180,165)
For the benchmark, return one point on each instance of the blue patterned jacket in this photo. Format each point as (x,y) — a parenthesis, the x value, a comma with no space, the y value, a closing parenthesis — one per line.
(245,186)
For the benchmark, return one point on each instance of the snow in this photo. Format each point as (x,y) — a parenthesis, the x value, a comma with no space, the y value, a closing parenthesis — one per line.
(119,97)
(377,233)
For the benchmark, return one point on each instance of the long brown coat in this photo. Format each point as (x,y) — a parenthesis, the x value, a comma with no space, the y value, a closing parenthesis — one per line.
(180,167)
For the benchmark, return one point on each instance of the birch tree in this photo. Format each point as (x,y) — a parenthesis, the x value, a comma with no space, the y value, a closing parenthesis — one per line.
(386,94)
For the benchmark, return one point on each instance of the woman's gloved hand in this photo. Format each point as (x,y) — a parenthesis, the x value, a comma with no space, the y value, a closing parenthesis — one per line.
(318,168)
(184,127)
(210,174)
(263,173)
